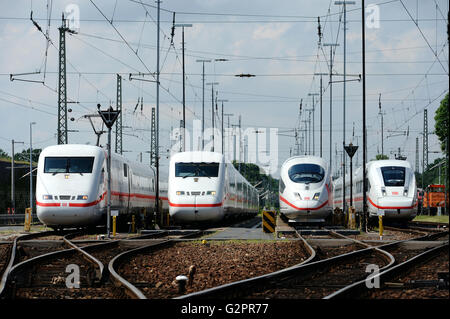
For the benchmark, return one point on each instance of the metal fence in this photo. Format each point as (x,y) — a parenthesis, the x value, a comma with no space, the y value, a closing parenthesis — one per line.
(16,219)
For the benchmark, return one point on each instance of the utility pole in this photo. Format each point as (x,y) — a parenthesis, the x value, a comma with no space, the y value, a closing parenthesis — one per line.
(240,131)
(344,3)
(364,217)
(447,147)
(297,146)
(181,136)
(331,45)
(212,110)
(13,199)
(62,85)
(119,148)
(417,155)
(382,129)
(235,150)
(223,141)
(309,131)
(228,115)
(314,116)
(203,101)
(184,87)
(31,168)
(321,93)
(153,139)
(157,206)
(305,135)
(425,146)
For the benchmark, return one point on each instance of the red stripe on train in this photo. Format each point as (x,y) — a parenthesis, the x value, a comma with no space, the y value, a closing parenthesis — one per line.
(299,208)
(98,201)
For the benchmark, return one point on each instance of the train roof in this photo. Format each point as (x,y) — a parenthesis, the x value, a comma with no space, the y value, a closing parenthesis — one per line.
(71,150)
(91,150)
(382,163)
(375,164)
(197,156)
(307,159)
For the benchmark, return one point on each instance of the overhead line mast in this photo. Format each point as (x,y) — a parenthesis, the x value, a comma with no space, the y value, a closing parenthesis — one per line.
(119,148)
(157,113)
(62,85)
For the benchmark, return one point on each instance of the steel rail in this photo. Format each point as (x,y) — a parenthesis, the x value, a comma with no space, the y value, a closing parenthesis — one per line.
(389,245)
(428,224)
(245,287)
(13,256)
(358,288)
(389,255)
(119,281)
(101,271)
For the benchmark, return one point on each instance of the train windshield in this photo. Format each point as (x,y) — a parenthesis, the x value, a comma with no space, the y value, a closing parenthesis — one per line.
(196,169)
(306,173)
(393,175)
(68,165)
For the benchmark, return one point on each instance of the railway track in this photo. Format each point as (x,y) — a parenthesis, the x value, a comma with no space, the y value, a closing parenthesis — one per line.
(208,260)
(46,273)
(423,280)
(35,271)
(324,278)
(5,252)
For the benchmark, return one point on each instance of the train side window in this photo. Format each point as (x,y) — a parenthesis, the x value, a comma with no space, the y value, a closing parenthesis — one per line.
(125,170)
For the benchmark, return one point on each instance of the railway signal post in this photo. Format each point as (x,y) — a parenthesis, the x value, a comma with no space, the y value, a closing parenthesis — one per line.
(351,150)
(109,117)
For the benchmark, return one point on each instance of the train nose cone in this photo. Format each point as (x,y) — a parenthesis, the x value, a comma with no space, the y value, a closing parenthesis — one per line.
(55,216)
(196,214)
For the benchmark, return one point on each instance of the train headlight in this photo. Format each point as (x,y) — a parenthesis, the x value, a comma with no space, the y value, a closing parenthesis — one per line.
(316,196)
(383,191)
(405,192)
(180,193)
(211,193)
(297,195)
(82,197)
(47,197)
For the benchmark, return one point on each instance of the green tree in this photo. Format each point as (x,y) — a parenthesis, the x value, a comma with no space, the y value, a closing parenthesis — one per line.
(25,155)
(441,123)
(254,175)
(381,157)
(432,175)
(3,154)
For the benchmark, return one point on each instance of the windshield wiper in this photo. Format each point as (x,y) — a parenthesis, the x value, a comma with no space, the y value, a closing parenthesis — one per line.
(200,170)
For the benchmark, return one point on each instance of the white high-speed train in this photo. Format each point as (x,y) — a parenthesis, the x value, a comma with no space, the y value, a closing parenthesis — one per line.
(205,187)
(305,189)
(391,189)
(71,186)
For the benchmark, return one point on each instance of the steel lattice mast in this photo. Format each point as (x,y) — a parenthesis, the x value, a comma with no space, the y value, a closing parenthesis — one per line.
(62,85)
(153,139)
(119,148)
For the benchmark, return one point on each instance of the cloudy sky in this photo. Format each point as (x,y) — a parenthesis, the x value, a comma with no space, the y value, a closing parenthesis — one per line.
(275,41)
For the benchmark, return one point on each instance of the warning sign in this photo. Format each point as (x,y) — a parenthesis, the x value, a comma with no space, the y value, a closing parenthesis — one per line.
(269,221)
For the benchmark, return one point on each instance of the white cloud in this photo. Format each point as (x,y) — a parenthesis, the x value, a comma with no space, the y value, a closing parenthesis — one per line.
(270,31)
